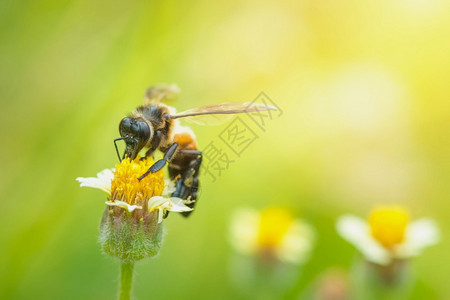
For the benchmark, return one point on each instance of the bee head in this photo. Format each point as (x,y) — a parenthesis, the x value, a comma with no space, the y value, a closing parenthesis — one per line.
(136,133)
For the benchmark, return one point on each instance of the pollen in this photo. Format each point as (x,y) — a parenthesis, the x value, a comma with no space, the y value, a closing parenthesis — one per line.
(388,224)
(274,224)
(126,187)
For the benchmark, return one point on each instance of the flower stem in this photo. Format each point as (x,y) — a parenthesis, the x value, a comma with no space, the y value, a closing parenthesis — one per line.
(126,278)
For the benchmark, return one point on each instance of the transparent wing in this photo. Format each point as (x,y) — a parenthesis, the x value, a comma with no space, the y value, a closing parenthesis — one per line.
(167,93)
(219,113)
(208,120)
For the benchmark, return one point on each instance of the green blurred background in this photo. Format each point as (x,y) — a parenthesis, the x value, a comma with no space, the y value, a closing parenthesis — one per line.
(366,119)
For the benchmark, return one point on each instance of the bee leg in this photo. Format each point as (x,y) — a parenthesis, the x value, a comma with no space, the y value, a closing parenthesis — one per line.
(162,162)
(187,186)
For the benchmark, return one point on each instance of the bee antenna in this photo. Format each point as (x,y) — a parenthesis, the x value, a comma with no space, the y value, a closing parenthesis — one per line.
(117,150)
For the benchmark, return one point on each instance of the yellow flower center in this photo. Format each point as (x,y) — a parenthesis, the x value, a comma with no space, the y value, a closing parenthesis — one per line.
(274,223)
(126,187)
(388,224)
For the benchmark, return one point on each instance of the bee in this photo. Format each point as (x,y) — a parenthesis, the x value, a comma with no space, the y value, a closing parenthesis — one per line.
(155,126)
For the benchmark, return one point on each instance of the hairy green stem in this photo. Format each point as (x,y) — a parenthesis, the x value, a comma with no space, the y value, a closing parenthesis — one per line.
(126,278)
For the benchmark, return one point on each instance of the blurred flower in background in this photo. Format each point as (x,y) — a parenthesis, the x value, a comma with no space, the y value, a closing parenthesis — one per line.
(272,234)
(271,245)
(387,239)
(388,234)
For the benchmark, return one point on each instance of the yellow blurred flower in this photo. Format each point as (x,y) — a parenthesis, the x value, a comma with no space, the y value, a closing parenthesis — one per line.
(127,192)
(274,232)
(388,234)
(388,225)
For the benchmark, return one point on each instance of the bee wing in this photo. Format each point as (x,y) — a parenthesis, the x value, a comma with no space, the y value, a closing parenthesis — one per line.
(208,120)
(167,93)
(220,113)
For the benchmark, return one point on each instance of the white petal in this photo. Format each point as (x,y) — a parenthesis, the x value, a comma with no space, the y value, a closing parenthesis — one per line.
(156,202)
(166,204)
(297,243)
(160,215)
(107,175)
(171,204)
(244,230)
(419,235)
(178,205)
(125,205)
(169,188)
(356,231)
(102,181)
(96,183)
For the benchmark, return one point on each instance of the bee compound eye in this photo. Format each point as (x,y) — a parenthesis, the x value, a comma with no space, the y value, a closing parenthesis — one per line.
(135,127)
(125,126)
(144,131)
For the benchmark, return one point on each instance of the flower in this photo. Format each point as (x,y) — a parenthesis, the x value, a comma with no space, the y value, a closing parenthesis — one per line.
(102,181)
(125,191)
(388,234)
(131,227)
(273,233)
(162,205)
